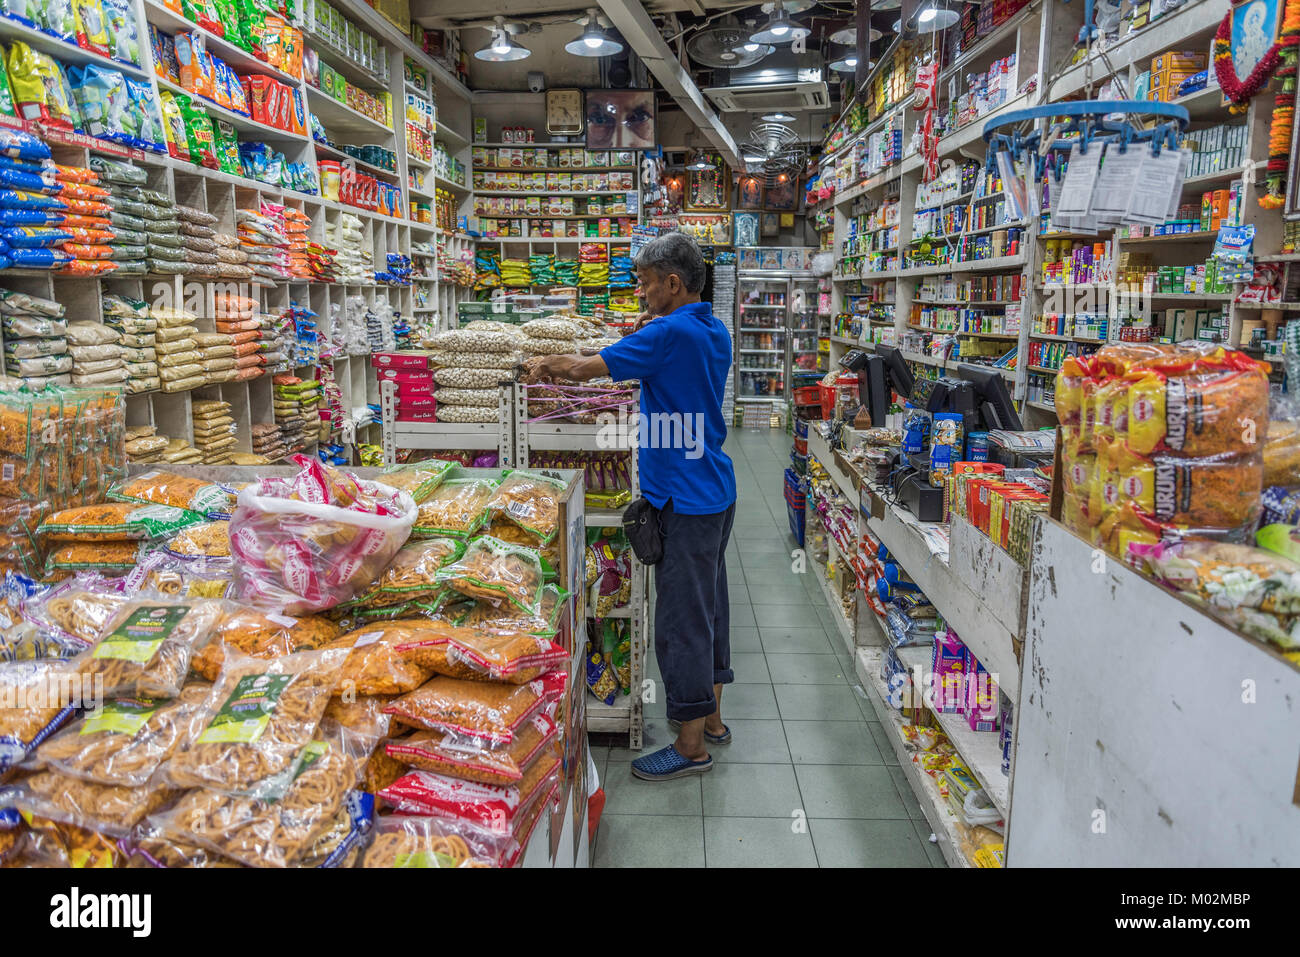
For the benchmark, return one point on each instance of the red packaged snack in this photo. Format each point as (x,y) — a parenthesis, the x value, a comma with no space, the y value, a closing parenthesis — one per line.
(487,805)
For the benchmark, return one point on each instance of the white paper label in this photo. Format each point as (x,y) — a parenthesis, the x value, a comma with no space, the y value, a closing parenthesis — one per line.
(369,638)
(282,620)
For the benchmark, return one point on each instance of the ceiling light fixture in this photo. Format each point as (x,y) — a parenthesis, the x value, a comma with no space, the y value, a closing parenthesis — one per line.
(845,64)
(934,17)
(849,35)
(501,48)
(700,164)
(594,41)
(780,28)
(778,118)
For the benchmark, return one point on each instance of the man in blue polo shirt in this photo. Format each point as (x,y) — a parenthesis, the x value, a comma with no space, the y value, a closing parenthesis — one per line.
(682,357)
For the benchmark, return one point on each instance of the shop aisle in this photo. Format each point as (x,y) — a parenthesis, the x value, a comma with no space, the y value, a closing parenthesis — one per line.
(809,780)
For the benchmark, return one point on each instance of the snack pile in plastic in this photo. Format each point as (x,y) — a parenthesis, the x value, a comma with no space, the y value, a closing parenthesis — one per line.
(415,724)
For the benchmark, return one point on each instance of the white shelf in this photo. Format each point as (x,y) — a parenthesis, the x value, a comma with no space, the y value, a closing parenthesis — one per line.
(338,154)
(978,265)
(980,750)
(69,53)
(340,118)
(245,125)
(607,719)
(937,813)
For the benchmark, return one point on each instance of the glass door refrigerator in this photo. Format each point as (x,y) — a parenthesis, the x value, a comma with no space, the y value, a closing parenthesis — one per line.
(762,340)
(804,329)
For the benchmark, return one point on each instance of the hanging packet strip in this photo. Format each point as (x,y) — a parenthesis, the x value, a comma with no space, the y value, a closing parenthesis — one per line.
(1159,179)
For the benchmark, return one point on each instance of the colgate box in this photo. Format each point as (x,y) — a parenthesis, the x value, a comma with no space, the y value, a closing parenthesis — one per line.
(419,415)
(401,361)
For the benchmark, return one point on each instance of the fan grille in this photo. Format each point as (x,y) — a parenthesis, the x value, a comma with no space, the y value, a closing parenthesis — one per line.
(717,47)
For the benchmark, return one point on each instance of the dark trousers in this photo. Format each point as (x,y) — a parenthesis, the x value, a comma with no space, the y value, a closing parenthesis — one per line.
(692,611)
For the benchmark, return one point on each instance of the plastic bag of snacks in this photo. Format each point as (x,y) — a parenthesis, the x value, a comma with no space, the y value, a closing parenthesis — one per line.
(486,805)
(458,507)
(146,647)
(311,542)
(432,751)
(376,665)
(532,501)
(256,635)
(123,741)
(483,711)
(248,736)
(313,823)
(44,694)
(418,479)
(499,572)
(403,840)
(462,652)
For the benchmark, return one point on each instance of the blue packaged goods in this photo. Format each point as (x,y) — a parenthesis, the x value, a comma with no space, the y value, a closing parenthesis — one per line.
(21,199)
(22,145)
(33,237)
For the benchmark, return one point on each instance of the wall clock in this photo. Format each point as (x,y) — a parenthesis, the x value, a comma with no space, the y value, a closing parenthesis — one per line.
(564,115)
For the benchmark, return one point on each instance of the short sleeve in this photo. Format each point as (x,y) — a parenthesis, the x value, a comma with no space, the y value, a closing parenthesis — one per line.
(640,355)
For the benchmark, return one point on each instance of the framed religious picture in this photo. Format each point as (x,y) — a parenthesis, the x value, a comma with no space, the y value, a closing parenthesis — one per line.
(674,189)
(708,190)
(771,225)
(746,229)
(782,196)
(749,193)
(1292,208)
(620,120)
(1256,26)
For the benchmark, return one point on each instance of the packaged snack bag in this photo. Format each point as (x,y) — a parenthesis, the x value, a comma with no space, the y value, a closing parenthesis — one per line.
(195,65)
(178,140)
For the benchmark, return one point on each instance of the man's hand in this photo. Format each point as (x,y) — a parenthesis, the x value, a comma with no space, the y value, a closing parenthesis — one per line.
(642,319)
(541,368)
(574,368)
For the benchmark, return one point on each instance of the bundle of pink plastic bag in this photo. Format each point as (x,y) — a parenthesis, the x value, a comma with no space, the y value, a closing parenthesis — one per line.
(311,542)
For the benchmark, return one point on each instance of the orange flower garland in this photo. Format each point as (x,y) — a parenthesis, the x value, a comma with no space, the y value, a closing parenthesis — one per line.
(1279,132)
(1240,93)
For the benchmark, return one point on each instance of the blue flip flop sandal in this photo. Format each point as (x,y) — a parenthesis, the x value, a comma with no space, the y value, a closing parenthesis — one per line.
(724,738)
(668,763)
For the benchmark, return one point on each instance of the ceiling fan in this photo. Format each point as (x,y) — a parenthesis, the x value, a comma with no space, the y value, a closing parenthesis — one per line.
(772,153)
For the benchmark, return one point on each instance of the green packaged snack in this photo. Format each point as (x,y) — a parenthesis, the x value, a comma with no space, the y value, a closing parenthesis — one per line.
(6,98)
(457,508)
(530,500)
(227,146)
(198,127)
(413,572)
(417,479)
(178,140)
(497,571)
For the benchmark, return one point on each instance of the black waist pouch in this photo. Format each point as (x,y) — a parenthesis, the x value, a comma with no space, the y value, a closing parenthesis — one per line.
(644,531)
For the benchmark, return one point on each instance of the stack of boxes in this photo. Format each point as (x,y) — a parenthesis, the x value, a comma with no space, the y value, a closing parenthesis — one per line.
(997,501)
(326,24)
(961,684)
(1169,70)
(415,386)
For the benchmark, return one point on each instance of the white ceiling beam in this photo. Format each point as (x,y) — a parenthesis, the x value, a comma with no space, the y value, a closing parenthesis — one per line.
(631,19)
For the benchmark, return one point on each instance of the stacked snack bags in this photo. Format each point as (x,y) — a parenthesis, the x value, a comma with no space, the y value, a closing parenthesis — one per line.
(180,363)
(36,344)
(215,432)
(261,236)
(31,213)
(1162,442)
(236,318)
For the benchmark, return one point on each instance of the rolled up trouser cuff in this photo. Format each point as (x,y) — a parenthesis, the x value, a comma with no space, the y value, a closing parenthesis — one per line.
(691,711)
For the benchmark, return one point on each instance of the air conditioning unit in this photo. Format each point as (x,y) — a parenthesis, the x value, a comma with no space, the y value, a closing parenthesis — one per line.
(770,96)
(780,81)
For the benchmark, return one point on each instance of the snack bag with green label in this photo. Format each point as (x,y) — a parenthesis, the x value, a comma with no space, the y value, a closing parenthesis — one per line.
(146,647)
(249,735)
(312,823)
(402,840)
(227,145)
(198,127)
(6,97)
(122,741)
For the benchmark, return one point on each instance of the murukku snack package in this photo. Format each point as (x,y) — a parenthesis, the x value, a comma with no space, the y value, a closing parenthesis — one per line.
(483,711)
(36,698)
(168,488)
(146,647)
(116,522)
(532,501)
(418,479)
(457,508)
(104,808)
(405,840)
(249,735)
(464,652)
(375,665)
(123,741)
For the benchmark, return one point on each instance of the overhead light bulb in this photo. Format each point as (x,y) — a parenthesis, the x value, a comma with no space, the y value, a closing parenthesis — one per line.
(934,18)
(594,41)
(780,28)
(926,15)
(750,47)
(501,48)
(845,64)
(778,117)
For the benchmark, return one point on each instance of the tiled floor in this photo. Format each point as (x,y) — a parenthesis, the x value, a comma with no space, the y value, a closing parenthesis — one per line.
(809,779)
